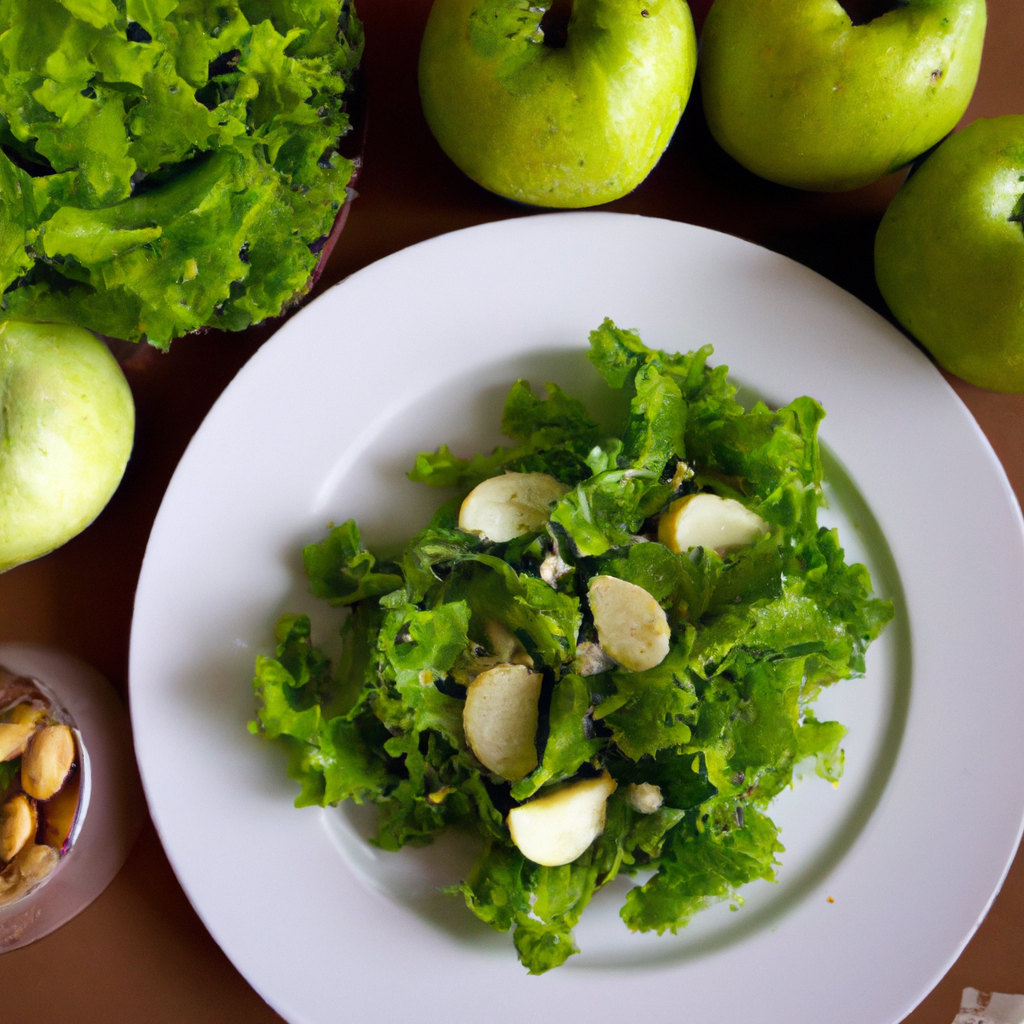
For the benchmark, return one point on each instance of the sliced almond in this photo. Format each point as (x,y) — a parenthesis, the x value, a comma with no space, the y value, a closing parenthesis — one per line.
(592,659)
(708,521)
(631,626)
(554,567)
(505,645)
(47,761)
(18,823)
(13,737)
(644,797)
(500,719)
(505,507)
(555,829)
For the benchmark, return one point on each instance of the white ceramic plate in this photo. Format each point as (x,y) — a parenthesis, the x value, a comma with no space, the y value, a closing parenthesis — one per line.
(419,349)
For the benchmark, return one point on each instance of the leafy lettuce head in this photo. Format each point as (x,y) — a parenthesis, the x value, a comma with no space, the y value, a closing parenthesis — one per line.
(167,165)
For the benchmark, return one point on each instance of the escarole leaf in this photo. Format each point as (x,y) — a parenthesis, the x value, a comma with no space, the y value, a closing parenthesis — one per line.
(616,353)
(183,156)
(340,569)
(654,709)
(700,867)
(332,759)
(419,648)
(558,422)
(560,419)
(17,221)
(657,421)
(662,573)
(545,621)
(568,746)
(544,904)
(821,740)
(98,13)
(443,469)
(9,771)
(698,745)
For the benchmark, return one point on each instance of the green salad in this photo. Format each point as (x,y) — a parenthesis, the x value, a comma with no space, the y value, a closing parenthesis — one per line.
(167,165)
(602,655)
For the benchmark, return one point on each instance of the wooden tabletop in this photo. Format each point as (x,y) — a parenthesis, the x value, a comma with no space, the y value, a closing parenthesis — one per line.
(140,953)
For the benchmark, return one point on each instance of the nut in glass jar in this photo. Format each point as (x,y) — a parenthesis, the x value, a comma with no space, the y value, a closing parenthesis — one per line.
(42,761)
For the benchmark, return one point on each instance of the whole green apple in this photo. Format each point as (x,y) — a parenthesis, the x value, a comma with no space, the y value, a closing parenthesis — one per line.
(949,254)
(564,126)
(66,426)
(800,95)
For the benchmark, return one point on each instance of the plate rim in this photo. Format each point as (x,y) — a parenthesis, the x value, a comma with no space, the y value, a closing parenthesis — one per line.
(414,252)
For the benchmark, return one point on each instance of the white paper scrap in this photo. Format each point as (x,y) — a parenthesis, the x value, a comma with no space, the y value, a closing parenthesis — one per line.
(990,1008)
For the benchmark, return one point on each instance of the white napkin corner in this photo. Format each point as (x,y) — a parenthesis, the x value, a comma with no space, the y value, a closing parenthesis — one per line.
(990,1008)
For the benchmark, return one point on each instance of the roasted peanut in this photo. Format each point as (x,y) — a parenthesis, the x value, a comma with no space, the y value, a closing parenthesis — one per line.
(57,815)
(9,878)
(26,714)
(27,870)
(47,761)
(13,737)
(36,862)
(17,826)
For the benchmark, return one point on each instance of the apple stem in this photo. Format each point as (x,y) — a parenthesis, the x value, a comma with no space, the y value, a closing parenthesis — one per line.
(555,23)
(863,11)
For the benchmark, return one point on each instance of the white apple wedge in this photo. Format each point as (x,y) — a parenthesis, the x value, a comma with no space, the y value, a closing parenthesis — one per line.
(500,719)
(505,507)
(708,521)
(631,626)
(555,829)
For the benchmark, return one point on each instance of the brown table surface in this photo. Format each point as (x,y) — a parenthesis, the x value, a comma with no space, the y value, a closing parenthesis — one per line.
(140,953)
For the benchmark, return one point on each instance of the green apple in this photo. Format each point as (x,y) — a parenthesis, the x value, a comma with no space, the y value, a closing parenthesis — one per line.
(949,254)
(66,426)
(572,126)
(800,95)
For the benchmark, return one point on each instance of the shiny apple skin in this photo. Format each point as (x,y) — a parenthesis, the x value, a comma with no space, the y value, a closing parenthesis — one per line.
(558,127)
(949,260)
(67,422)
(801,96)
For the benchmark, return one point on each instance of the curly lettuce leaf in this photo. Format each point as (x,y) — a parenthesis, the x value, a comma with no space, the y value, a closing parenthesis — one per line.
(184,157)
(654,709)
(719,726)
(340,569)
(569,744)
(332,759)
(701,866)
(545,621)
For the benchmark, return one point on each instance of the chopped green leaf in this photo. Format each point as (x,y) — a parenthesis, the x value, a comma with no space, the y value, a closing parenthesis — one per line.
(712,733)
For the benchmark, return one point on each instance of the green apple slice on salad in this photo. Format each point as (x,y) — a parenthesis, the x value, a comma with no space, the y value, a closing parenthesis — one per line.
(603,655)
